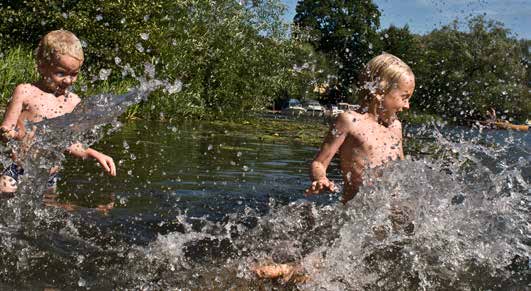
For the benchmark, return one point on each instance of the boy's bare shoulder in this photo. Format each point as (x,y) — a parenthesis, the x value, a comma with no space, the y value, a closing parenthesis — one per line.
(347,121)
(74,97)
(24,90)
(348,116)
(396,125)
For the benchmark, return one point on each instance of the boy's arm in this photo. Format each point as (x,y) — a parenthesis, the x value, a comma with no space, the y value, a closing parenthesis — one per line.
(333,140)
(14,108)
(77,150)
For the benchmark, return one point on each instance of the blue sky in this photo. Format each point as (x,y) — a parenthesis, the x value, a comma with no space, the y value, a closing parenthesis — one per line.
(425,15)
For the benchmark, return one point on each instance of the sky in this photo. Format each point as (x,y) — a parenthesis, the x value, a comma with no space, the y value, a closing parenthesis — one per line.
(423,16)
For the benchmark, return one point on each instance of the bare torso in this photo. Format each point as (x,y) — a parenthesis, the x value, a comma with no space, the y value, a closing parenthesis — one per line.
(367,144)
(37,105)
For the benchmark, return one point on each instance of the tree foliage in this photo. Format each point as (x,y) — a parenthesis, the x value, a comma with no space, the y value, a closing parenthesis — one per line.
(462,74)
(345,31)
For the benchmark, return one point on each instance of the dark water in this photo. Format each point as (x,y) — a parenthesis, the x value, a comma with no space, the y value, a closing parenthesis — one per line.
(194,206)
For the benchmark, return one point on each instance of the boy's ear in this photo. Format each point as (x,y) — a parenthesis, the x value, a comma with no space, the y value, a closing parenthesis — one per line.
(380,93)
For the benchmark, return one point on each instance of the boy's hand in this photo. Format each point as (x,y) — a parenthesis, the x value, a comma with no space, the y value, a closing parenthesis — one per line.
(106,162)
(319,185)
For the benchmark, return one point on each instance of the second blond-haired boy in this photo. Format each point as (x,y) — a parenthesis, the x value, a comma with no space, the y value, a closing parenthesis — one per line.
(59,59)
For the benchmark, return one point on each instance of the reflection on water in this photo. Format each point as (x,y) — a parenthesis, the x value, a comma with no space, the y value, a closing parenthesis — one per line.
(195,206)
(190,167)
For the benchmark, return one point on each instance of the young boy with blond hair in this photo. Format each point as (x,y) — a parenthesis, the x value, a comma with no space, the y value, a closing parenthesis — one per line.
(366,139)
(371,137)
(59,57)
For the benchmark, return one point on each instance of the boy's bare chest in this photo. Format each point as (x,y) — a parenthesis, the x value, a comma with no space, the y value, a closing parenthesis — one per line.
(377,143)
(46,108)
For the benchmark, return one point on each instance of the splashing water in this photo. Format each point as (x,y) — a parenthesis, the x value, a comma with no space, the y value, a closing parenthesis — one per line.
(44,149)
(424,224)
(455,219)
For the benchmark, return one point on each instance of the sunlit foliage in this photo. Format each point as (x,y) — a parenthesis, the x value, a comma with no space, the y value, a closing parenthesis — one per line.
(345,31)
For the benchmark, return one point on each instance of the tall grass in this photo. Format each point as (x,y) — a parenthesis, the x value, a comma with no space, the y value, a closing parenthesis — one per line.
(17,65)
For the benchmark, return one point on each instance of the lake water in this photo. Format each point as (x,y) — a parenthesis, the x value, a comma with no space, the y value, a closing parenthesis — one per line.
(195,205)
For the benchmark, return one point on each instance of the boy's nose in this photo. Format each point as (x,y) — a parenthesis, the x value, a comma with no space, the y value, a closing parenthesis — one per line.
(68,80)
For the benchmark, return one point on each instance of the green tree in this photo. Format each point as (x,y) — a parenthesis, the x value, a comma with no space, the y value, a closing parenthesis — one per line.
(401,43)
(345,31)
(467,73)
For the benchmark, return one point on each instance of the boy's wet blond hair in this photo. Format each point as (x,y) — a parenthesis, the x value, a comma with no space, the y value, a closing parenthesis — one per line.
(379,76)
(58,42)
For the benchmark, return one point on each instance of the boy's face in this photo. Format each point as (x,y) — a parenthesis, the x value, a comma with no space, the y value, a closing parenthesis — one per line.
(60,73)
(398,98)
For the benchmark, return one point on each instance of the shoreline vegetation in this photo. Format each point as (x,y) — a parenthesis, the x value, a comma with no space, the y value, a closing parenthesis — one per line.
(239,60)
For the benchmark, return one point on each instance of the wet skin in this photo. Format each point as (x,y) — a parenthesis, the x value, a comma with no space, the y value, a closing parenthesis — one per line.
(363,141)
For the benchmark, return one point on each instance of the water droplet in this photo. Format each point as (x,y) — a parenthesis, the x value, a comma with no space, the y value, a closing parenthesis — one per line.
(104,74)
(149,70)
(81,282)
(139,47)
(144,36)
(176,87)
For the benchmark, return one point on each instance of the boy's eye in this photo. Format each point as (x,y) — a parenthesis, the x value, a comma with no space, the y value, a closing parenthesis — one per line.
(60,74)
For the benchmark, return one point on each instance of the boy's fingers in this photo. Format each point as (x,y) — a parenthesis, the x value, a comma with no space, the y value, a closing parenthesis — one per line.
(105,166)
(113,168)
(310,191)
